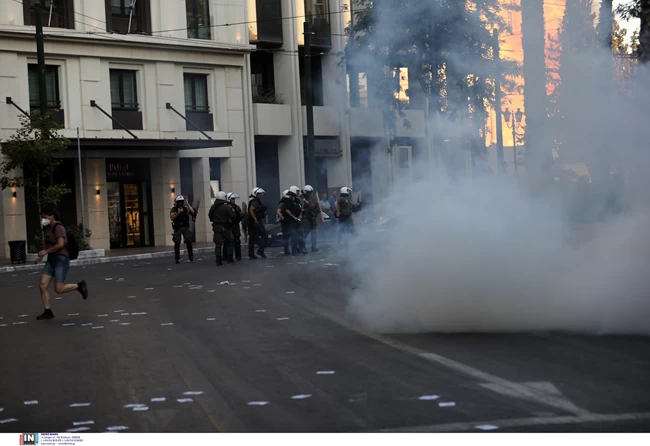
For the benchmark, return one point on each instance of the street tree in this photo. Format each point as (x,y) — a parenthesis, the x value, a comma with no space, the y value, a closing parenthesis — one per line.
(447,48)
(639,9)
(31,155)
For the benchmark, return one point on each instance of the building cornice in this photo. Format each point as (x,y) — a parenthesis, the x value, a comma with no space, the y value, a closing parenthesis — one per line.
(94,38)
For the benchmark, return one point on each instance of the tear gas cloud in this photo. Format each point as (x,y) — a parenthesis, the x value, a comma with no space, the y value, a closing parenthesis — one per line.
(488,254)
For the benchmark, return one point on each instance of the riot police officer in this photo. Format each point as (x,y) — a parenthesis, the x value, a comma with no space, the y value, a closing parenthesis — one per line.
(280,213)
(222,215)
(180,216)
(256,230)
(236,231)
(344,210)
(311,214)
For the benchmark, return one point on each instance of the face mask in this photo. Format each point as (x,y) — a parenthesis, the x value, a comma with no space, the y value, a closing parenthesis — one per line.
(45,221)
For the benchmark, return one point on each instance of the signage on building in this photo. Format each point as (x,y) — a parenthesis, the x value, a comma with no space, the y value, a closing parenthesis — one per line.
(127,169)
(325,146)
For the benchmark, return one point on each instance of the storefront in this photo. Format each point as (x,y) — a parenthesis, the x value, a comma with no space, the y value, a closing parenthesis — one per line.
(128,189)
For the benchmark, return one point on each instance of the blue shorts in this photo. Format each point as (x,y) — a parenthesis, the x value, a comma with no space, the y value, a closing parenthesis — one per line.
(57,266)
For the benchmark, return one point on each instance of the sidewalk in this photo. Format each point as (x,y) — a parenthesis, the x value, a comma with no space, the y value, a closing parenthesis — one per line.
(114,255)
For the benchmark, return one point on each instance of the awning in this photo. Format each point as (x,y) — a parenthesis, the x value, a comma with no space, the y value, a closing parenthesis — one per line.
(144,144)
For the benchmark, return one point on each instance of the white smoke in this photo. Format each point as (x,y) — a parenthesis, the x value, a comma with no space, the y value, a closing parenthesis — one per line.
(489,255)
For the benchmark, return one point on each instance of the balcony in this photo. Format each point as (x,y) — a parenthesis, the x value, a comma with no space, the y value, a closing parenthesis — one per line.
(368,123)
(326,121)
(272,119)
(129,118)
(203,120)
(57,112)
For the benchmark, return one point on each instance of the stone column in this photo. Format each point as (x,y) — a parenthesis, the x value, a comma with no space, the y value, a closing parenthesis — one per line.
(96,205)
(165,175)
(12,218)
(201,186)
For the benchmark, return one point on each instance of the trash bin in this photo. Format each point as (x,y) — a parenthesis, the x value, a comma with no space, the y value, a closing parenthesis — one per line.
(18,250)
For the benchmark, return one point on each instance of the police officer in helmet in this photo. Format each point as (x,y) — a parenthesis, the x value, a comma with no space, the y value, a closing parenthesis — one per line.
(222,215)
(180,216)
(311,215)
(284,223)
(256,230)
(344,209)
(236,231)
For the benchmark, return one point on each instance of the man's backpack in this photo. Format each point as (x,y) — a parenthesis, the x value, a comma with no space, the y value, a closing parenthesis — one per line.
(71,245)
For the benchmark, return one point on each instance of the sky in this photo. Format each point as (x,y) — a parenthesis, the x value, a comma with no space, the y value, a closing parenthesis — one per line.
(631,25)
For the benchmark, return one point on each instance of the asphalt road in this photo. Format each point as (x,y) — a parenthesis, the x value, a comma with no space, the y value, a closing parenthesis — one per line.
(265,346)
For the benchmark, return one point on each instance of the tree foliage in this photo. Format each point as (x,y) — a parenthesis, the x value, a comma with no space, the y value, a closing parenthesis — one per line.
(32,155)
(639,9)
(447,47)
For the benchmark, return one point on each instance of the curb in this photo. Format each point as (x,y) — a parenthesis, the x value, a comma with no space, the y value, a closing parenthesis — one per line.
(99,260)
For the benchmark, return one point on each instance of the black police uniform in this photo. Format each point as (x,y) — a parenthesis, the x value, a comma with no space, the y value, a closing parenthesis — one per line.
(256,232)
(311,212)
(181,227)
(222,215)
(295,227)
(285,224)
(236,231)
(346,224)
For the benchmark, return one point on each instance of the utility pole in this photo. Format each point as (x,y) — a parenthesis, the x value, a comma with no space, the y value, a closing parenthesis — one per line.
(40,55)
(309,90)
(497,100)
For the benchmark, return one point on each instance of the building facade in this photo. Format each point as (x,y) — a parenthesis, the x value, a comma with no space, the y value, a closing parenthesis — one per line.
(161,97)
(351,146)
(178,100)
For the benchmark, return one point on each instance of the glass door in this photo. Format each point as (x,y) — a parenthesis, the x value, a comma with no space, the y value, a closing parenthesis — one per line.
(132,214)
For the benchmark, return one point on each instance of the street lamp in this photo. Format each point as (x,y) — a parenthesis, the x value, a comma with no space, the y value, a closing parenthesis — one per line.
(516,122)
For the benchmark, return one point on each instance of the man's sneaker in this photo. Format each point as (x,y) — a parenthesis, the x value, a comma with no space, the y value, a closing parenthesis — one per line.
(83,289)
(261,254)
(252,257)
(178,261)
(191,259)
(47,314)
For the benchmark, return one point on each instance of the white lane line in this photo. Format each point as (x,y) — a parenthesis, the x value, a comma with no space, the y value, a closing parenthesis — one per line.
(82,423)
(167,323)
(487,427)
(140,409)
(116,428)
(78,429)
(210,319)
(79,404)
(98,327)
(429,397)
(8,420)
(199,392)
(283,318)
(447,404)
(131,406)
(158,400)
(301,397)
(184,400)
(31,403)
(521,391)
(326,372)
(68,325)
(525,422)
(102,315)
(73,314)
(258,403)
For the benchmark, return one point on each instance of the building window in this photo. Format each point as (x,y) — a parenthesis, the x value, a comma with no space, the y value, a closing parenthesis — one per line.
(316,76)
(124,93)
(265,22)
(197,108)
(403,94)
(55,13)
(319,12)
(198,19)
(263,79)
(196,93)
(51,84)
(118,15)
(357,89)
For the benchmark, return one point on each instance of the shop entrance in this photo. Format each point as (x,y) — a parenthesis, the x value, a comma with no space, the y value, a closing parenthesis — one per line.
(129,203)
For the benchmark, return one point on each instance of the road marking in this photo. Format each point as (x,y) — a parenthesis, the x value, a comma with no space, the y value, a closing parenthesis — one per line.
(200,392)
(301,397)
(258,403)
(31,403)
(79,404)
(78,429)
(525,422)
(489,381)
(8,420)
(326,372)
(158,400)
(116,428)
(184,400)
(447,404)
(429,397)
(82,423)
